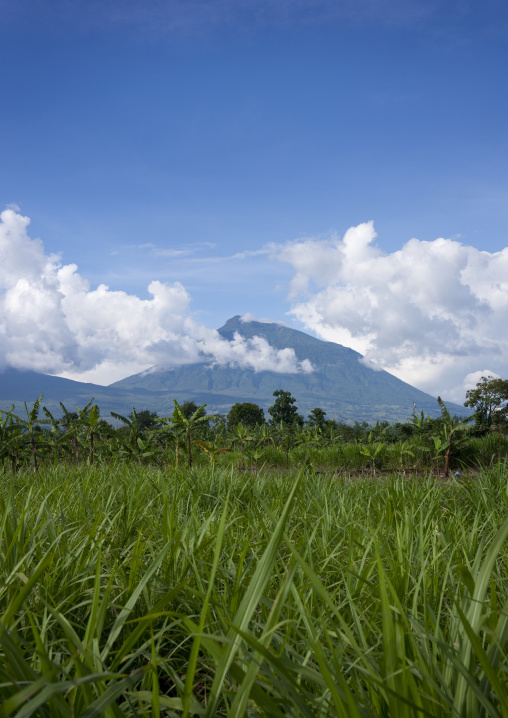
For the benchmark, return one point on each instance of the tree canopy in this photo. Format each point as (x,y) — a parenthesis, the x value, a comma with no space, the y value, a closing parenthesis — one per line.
(489,399)
(250,415)
(284,409)
(317,418)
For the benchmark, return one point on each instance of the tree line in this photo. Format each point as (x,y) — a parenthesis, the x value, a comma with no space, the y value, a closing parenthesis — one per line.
(83,436)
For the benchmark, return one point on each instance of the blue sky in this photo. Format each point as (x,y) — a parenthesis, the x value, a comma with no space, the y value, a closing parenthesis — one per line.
(196,142)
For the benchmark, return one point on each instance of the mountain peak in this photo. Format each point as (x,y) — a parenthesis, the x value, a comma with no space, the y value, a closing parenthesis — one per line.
(232,324)
(280,336)
(238,322)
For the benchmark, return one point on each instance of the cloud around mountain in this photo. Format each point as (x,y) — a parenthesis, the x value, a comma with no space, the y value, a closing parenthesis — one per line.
(52,321)
(432,313)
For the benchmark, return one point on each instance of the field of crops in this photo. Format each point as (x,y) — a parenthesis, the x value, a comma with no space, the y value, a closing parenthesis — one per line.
(128,590)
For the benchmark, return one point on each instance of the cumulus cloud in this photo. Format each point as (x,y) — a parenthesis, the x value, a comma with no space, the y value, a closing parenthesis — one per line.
(254,353)
(432,313)
(51,320)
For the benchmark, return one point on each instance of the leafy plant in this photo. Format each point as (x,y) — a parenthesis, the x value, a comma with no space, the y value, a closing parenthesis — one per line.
(453,434)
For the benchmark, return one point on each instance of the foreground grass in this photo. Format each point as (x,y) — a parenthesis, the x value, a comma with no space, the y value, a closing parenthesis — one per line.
(128,591)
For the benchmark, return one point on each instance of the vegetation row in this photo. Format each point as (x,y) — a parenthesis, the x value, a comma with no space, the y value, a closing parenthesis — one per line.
(244,440)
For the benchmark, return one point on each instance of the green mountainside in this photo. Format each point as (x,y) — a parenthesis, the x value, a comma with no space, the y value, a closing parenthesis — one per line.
(19,386)
(345,388)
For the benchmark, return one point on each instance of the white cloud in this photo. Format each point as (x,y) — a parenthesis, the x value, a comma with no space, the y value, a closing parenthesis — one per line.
(432,313)
(175,253)
(472,379)
(51,320)
(370,363)
(254,353)
(248,317)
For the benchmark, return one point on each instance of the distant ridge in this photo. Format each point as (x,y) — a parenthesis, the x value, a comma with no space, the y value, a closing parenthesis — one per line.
(17,386)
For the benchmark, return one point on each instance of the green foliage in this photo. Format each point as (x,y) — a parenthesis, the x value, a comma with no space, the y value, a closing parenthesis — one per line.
(143,437)
(373,450)
(241,436)
(488,399)
(186,426)
(28,430)
(130,591)
(317,419)
(452,435)
(250,415)
(189,408)
(284,409)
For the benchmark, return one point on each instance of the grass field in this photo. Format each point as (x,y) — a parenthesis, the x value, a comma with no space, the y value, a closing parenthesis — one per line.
(129,591)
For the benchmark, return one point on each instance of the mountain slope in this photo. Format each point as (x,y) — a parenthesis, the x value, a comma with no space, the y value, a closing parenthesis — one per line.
(19,386)
(340,384)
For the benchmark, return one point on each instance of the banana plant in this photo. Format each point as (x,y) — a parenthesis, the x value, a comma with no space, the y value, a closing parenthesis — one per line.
(439,449)
(311,436)
(71,427)
(453,434)
(89,418)
(241,435)
(288,436)
(56,433)
(186,427)
(5,420)
(30,428)
(372,450)
(10,438)
(150,450)
(256,455)
(404,451)
(265,435)
(134,425)
(212,448)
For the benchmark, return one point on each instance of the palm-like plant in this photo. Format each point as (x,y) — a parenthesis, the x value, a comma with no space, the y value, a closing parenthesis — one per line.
(133,423)
(373,449)
(311,436)
(89,418)
(186,427)
(256,455)
(266,434)
(453,434)
(30,428)
(241,435)
(7,426)
(212,448)
(404,451)
(150,450)
(288,436)
(71,428)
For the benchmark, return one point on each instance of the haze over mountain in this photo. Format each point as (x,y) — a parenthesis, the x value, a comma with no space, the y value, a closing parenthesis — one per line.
(340,383)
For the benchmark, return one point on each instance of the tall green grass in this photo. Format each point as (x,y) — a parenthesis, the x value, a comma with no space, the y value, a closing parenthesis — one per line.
(131,591)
